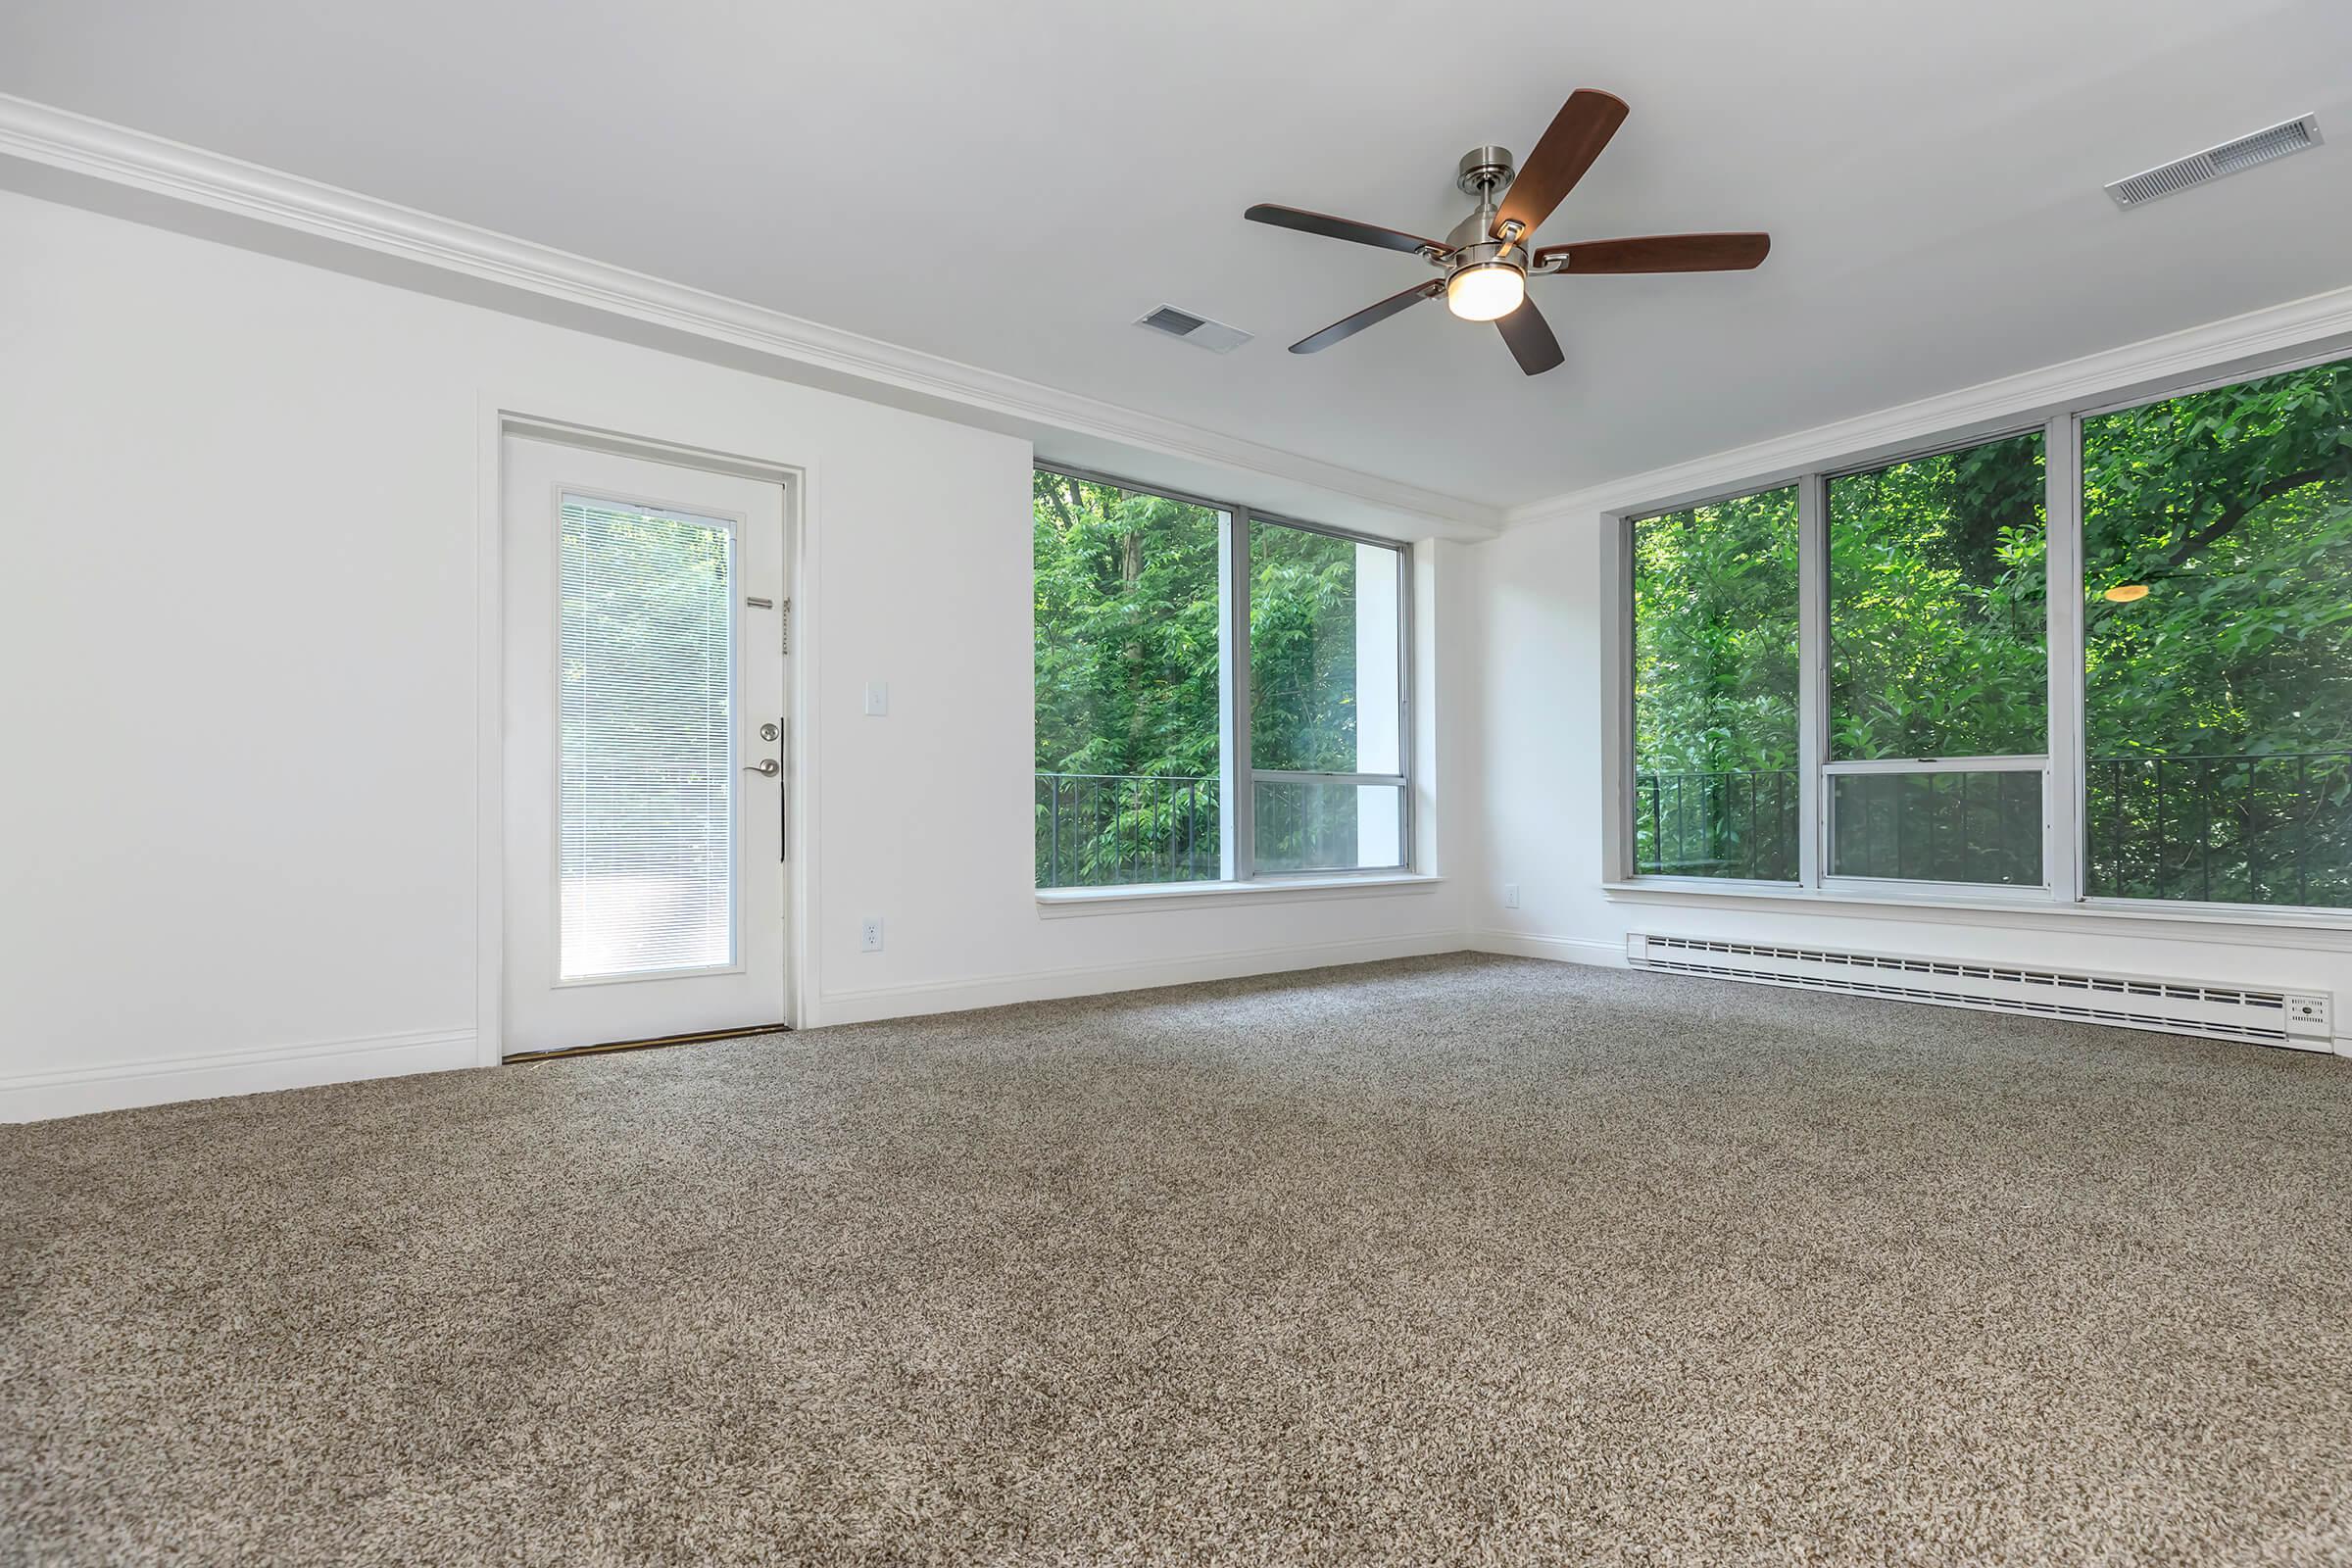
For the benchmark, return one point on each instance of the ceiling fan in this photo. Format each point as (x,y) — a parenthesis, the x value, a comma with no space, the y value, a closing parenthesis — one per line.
(1487,260)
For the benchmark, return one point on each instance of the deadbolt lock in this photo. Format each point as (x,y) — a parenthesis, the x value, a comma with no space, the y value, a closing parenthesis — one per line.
(768,733)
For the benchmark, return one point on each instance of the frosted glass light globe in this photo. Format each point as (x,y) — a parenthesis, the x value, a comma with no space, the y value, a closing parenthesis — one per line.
(1484,292)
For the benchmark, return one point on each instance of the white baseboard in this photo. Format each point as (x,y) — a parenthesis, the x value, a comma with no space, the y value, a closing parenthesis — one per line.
(117,1086)
(997,990)
(1560,950)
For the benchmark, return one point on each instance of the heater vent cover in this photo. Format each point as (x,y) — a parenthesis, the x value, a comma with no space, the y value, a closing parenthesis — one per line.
(1195,329)
(2299,1019)
(2271,141)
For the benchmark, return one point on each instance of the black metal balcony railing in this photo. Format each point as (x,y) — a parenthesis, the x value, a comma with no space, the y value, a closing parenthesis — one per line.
(2265,829)
(1098,830)
(1727,824)
(2248,829)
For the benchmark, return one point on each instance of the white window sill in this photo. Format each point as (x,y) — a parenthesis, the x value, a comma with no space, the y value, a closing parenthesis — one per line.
(2315,929)
(1061,902)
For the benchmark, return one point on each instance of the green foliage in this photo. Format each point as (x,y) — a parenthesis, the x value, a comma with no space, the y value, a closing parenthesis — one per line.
(1126,642)
(1715,637)
(2218,707)
(1938,593)
(2235,509)
(1301,651)
(1715,651)
(1126,631)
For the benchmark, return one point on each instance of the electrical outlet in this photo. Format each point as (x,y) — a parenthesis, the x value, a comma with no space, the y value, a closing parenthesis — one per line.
(1511,894)
(869,935)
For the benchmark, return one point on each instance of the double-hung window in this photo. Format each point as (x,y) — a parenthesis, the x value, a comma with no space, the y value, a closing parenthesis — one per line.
(1220,695)
(2105,657)
(1938,674)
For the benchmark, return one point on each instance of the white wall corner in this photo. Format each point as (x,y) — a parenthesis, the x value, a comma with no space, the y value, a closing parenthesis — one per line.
(1559,949)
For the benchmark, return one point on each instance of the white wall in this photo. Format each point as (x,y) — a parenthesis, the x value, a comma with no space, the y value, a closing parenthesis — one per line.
(242,498)
(1538,697)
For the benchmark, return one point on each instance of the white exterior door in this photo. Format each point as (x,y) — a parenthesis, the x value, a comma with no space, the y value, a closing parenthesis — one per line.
(646,727)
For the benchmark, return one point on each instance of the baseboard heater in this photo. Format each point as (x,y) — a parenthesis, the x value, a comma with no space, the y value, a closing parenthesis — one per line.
(2298,1020)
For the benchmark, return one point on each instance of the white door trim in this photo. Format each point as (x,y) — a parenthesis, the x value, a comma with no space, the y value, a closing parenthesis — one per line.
(553,418)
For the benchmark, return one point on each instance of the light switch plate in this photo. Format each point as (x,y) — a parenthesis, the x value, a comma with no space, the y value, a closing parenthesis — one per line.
(877,699)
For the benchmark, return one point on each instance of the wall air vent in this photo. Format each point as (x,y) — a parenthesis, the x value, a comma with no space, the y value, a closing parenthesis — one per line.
(2297,1019)
(2275,141)
(1198,331)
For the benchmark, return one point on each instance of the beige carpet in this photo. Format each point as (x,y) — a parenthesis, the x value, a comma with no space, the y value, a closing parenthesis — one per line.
(1458,1260)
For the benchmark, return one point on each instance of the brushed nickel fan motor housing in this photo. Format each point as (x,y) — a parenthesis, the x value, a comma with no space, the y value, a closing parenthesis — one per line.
(1484,171)
(1484,252)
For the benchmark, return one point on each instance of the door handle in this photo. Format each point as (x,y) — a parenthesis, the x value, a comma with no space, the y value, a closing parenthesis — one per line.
(765,768)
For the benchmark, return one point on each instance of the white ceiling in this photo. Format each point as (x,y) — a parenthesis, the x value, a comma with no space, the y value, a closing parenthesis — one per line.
(1011,184)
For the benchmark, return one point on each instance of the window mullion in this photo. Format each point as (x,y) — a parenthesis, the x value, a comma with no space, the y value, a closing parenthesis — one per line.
(1619,795)
(2064,849)
(1240,792)
(1408,852)
(1813,675)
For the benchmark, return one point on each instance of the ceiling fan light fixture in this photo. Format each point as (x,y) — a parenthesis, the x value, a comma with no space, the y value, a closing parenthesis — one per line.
(1486,291)
(1486,258)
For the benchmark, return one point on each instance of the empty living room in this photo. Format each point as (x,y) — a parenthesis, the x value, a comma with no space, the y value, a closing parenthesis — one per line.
(1303,783)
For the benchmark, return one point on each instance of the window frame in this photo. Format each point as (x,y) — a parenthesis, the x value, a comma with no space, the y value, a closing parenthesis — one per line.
(1236,774)
(1247,775)
(2064,765)
(1620,797)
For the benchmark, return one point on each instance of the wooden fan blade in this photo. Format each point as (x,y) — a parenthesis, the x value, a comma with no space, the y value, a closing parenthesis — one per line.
(1347,229)
(1661,253)
(1531,341)
(1368,315)
(1570,143)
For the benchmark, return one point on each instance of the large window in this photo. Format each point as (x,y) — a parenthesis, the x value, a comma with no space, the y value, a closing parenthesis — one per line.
(1130,615)
(1146,720)
(1938,702)
(2216,563)
(1715,659)
(1973,678)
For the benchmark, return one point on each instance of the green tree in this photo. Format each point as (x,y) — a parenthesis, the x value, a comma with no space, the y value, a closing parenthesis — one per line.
(1128,614)
(1126,646)
(1715,660)
(2219,702)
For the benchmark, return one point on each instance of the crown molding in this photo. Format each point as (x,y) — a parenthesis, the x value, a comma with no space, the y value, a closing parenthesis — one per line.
(77,144)
(2108,376)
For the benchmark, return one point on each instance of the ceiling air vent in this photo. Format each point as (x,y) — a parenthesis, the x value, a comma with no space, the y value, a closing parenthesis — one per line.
(1199,330)
(2275,141)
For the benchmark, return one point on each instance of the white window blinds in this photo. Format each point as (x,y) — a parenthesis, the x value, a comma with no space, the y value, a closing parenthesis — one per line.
(645,816)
